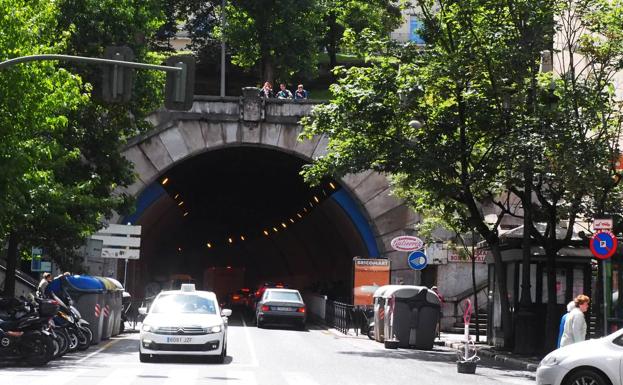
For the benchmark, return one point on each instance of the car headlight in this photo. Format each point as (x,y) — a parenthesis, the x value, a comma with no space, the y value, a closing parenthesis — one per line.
(146,328)
(214,329)
(550,360)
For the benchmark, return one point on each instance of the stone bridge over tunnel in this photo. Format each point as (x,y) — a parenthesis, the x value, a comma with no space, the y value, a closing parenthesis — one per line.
(219,186)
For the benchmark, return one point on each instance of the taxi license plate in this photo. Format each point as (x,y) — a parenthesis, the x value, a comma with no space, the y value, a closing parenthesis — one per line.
(282,308)
(179,340)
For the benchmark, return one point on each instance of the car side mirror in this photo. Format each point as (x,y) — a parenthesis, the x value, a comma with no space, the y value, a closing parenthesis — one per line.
(226,312)
(142,310)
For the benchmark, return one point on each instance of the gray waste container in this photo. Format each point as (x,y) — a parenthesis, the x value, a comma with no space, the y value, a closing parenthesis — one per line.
(415,311)
(88,295)
(379,311)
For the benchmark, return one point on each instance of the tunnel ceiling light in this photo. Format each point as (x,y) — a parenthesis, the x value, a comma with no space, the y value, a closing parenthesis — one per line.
(283,225)
(291,220)
(311,204)
(209,245)
(266,232)
(316,199)
(324,192)
(230,240)
(186,213)
(274,228)
(332,185)
(181,203)
(305,209)
(299,215)
(165,181)
(179,249)
(242,237)
(229,267)
(176,196)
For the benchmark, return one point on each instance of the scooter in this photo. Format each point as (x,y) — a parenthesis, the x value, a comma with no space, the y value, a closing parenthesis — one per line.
(35,346)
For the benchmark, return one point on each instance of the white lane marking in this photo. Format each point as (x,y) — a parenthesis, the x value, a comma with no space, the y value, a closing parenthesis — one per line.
(8,378)
(298,378)
(239,377)
(182,376)
(109,344)
(254,362)
(120,377)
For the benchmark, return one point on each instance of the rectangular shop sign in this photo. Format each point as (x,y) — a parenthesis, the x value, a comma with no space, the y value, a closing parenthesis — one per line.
(369,275)
(453,256)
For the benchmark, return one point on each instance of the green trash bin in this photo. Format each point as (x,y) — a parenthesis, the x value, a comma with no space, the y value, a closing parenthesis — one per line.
(116,306)
(108,304)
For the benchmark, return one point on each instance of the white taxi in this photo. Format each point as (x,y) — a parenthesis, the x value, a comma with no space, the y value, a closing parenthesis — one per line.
(184,322)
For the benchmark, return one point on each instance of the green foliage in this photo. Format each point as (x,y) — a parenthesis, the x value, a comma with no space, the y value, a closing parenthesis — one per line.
(280,35)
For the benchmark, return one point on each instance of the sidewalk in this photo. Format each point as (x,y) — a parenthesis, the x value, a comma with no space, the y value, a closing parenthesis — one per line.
(455,341)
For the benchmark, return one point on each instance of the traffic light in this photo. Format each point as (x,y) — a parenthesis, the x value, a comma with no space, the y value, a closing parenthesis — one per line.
(180,87)
(117,80)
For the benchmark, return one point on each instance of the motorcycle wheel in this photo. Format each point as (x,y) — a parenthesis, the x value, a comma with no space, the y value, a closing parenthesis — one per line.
(88,333)
(73,340)
(62,344)
(83,340)
(57,347)
(65,346)
(37,348)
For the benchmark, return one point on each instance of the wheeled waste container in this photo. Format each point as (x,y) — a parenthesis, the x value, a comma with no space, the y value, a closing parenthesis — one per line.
(87,292)
(117,306)
(108,306)
(379,312)
(411,315)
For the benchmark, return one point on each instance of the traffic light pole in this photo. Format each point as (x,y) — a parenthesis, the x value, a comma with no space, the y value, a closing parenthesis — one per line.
(83,59)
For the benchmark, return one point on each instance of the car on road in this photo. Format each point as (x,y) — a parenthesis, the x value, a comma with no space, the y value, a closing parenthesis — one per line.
(184,322)
(592,362)
(281,306)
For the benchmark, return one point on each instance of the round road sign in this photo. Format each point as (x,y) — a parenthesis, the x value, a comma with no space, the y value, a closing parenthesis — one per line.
(417,260)
(603,244)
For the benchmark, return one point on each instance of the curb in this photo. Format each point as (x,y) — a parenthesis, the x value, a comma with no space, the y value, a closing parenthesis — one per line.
(486,352)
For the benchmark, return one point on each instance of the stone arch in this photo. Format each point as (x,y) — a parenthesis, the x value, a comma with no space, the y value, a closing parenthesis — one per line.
(217,123)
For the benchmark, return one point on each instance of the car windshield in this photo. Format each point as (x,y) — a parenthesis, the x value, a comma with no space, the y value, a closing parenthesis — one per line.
(284,296)
(183,303)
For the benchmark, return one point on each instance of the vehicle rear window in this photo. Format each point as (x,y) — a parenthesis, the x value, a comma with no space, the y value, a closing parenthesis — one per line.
(284,296)
(183,303)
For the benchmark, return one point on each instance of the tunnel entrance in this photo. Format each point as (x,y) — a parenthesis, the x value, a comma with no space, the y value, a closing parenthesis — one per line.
(248,210)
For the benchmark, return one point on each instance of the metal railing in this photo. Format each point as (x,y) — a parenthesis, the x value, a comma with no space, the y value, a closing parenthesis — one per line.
(340,316)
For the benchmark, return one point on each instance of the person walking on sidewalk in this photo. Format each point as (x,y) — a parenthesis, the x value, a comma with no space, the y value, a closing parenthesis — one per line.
(575,324)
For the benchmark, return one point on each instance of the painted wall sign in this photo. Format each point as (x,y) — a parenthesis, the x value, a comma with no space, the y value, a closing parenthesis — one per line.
(407,243)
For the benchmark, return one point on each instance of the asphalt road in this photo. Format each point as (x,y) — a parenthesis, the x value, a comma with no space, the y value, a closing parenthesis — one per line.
(274,356)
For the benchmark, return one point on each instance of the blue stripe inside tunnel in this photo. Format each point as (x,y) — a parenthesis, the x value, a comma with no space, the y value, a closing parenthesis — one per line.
(351,207)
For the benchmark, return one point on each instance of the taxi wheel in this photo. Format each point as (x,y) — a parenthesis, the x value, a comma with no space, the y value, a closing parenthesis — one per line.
(221,357)
(586,377)
(144,357)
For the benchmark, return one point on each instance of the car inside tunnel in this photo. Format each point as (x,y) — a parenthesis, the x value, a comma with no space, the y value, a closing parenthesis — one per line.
(247,214)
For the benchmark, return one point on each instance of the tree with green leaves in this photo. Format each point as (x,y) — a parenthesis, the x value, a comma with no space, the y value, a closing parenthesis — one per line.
(61,145)
(281,36)
(457,123)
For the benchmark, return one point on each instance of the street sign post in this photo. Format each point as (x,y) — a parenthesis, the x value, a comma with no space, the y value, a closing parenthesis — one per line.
(417,260)
(603,244)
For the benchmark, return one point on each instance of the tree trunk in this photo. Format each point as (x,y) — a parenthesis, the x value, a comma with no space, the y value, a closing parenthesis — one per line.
(11,266)
(500,274)
(551,317)
(268,71)
(526,298)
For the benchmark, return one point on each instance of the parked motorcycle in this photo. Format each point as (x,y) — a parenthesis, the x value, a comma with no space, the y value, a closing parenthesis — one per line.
(36,345)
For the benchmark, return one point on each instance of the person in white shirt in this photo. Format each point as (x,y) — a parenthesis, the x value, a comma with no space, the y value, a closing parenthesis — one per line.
(575,324)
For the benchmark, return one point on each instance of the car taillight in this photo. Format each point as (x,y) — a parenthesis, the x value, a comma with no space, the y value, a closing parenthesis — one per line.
(236,297)
(301,310)
(265,308)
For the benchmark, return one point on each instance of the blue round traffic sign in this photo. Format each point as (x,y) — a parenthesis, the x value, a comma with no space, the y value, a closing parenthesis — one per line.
(603,244)
(417,260)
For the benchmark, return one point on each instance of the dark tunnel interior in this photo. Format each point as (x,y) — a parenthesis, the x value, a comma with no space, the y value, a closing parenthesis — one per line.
(248,210)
